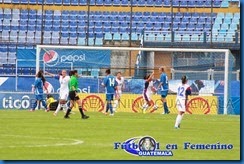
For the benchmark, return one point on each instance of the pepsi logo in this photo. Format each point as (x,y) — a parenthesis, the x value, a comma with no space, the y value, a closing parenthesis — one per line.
(51,58)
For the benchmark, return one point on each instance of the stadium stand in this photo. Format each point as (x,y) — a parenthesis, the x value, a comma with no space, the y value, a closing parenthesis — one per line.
(23,27)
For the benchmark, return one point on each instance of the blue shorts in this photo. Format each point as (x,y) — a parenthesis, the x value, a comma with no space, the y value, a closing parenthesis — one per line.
(39,97)
(164,94)
(109,97)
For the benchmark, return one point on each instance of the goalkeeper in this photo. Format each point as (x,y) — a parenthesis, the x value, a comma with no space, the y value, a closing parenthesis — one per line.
(181,100)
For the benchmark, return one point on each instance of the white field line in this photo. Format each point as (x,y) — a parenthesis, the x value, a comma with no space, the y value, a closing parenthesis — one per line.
(72,141)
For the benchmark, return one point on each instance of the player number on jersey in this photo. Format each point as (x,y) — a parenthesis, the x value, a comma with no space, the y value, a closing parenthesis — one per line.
(111,82)
(181,91)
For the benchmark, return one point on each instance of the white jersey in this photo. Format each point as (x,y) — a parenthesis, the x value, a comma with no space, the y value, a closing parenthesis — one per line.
(181,91)
(64,83)
(181,97)
(120,83)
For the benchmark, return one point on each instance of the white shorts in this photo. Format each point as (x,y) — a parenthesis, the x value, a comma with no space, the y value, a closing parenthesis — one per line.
(181,105)
(118,94)
(63,95)
(147,96)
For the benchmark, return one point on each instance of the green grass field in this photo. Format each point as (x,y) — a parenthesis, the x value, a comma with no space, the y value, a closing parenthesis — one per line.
(39,135)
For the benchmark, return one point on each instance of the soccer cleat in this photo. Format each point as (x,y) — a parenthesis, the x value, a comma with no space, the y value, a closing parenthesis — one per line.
(106,113)
(66,117)
(143,111)
(31,110)
(177,127)
(111,114)
(85,117)
(55,114)
(47,110)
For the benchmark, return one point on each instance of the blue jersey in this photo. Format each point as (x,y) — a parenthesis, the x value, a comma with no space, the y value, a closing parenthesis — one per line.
(164,81)
(38,85)
(110,84)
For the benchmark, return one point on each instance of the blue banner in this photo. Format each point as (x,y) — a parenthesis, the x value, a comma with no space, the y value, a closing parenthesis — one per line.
(26,57)
(78,58)
(65,57)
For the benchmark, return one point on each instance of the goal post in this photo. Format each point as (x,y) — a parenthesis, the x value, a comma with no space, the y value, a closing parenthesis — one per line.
(149,62)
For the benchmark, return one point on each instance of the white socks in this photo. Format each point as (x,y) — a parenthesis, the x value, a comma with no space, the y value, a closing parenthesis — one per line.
(178,120)
(116,103)
(64,106)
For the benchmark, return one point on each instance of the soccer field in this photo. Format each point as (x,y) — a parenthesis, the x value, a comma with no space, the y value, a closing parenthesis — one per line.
(39,135)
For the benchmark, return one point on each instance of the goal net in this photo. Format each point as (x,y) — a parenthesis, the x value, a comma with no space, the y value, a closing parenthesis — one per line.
(205,68)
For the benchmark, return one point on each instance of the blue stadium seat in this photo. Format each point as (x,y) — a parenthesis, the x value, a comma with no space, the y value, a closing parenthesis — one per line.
(108,36)
(117,36)
(40,2)
(83,2)
(191,27)
(82,41)
(208,3)
(195,15)
(66,2)
(107,2)
(141,3)
(49,2)
(74,2)
(24,1)
(124,3)
(99,39)
(92,2)
(166,3)
(116,2)
(158,3)
(125,36)
(201,20)
(193,20)
(191,3)
(58,2)
(15,1)
(217,3)
(183,3)
(149,3)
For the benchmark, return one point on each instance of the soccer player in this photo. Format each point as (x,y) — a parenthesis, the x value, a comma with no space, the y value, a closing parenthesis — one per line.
(147,92)
(181,100)
(73,95)
(110,85)
(37,88)
(120,82)
(63,91)
(164,87)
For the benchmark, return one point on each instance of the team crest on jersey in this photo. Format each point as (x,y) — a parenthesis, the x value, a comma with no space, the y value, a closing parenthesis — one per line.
(51,58)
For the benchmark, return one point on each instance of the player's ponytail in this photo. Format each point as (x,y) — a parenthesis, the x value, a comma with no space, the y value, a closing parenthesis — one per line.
(184,79)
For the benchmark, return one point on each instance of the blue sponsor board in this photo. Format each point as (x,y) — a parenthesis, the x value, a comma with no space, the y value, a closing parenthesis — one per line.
(59,58)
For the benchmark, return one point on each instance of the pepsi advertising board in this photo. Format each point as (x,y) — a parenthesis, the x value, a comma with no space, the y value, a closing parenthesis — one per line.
(65,57)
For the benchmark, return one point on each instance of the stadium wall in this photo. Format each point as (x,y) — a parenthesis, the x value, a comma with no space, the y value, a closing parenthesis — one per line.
(198,103)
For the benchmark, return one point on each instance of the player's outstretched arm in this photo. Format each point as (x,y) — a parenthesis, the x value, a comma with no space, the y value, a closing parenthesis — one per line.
(50,74)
